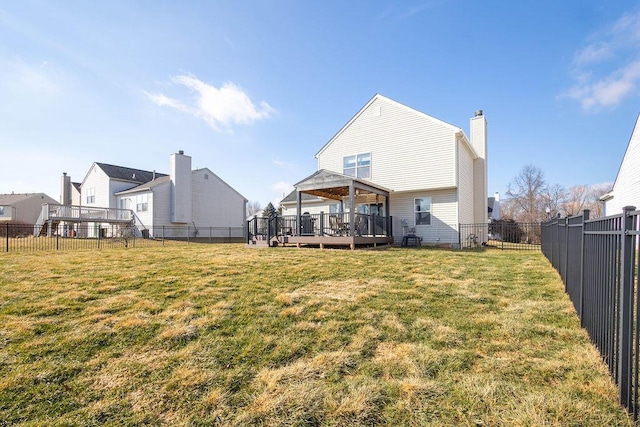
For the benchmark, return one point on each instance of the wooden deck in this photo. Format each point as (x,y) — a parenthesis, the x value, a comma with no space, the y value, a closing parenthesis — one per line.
(330,241)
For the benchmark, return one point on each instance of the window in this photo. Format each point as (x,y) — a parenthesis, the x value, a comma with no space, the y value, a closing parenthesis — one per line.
(422,208)
(1,210)
(206,176)
(357,165)
(142,202)
(91,195)
(334,208)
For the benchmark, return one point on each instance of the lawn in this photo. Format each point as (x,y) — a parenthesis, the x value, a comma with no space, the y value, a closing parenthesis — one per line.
(225,335)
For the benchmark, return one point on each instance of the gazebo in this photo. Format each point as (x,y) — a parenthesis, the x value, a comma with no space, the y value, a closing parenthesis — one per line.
(342,228)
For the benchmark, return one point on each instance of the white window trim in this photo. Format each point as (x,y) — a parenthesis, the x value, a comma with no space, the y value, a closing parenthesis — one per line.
(356,167)
(430,211)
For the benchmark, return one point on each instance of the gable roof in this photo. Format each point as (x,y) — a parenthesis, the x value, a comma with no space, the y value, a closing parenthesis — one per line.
(10,199)
(291,197)
(410,110)
(633,141)
(222,181)
(333,185)
(128,174)
(147,186)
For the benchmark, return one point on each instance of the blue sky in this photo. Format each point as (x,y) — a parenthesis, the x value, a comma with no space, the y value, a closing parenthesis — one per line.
(253,89)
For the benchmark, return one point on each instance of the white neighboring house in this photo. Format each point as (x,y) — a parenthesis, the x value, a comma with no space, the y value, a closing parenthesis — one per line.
(22,208)
(185,197)
(436,175)
(493,207)
(626,188)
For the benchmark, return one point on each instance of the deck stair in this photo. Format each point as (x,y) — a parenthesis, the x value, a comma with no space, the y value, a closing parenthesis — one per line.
(44,230)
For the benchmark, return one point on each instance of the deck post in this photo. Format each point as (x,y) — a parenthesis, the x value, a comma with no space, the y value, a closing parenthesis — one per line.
(321,223)
(352,214)
(298,214)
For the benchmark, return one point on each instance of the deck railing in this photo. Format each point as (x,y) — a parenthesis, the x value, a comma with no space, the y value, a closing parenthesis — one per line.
(322,224)
(84,213)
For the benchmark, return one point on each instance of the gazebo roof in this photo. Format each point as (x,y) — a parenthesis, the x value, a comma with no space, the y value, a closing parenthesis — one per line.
(333,185)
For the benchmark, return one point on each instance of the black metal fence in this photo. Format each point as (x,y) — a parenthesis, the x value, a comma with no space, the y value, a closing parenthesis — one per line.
(27,238)
(505,235)
(598,263)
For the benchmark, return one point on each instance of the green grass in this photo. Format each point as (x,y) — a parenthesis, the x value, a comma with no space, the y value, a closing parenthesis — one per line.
(224,335)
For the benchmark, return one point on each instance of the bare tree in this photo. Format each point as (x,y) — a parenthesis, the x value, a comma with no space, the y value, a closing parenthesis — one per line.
(593,199)
(577,200)
(553,200)
(253,208)
(526,192)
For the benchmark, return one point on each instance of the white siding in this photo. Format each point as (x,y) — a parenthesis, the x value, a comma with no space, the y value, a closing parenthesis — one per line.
(626,188)
(115,186)
(465,185)
(181,187)
(409,150)
(99,181)
(161,205)
(444,220)
(215,203)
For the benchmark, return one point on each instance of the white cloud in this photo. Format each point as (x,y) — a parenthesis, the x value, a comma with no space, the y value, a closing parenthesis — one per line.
(219,107)
(607,71)
(165,101)
(281,189)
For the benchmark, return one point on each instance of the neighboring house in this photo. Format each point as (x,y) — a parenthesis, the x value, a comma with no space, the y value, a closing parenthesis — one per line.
(22,208)
(493,207)
(435,174)
(626,187)
(197,198)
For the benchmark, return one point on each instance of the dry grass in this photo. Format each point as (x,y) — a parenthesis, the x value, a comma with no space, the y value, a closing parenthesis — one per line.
(223,335)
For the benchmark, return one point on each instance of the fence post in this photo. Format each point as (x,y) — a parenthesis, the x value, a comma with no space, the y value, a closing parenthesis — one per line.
(626,309)
(585,218)
(163,235)
(7,237)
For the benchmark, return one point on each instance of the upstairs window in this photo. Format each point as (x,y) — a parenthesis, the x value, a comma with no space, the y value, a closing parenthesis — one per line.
(423,210)
(142,204)
(358,165)
(91,195)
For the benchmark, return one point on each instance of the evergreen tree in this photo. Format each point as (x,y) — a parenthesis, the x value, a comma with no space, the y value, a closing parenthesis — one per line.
(270,211)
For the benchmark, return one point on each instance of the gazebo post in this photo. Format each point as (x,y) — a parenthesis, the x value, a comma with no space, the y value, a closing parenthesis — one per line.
(298,214)
(352,215)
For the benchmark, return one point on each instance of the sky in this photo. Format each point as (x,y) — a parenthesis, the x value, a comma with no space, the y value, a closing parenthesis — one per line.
(253,90)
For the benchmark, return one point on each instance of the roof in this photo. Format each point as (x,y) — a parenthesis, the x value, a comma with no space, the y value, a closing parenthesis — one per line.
(147,186)
(291,197)
(129,174)
(636,128)
(333,185)
(10,199)
(377,96)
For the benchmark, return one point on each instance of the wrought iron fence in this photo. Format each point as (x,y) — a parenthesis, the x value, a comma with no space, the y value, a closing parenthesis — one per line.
(598,263)
(27,238)
(505,235)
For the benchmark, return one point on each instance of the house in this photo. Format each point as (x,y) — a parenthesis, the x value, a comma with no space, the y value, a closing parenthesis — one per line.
(393,161)
(493,207)
(625,188)
(22,208)
(184,197)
